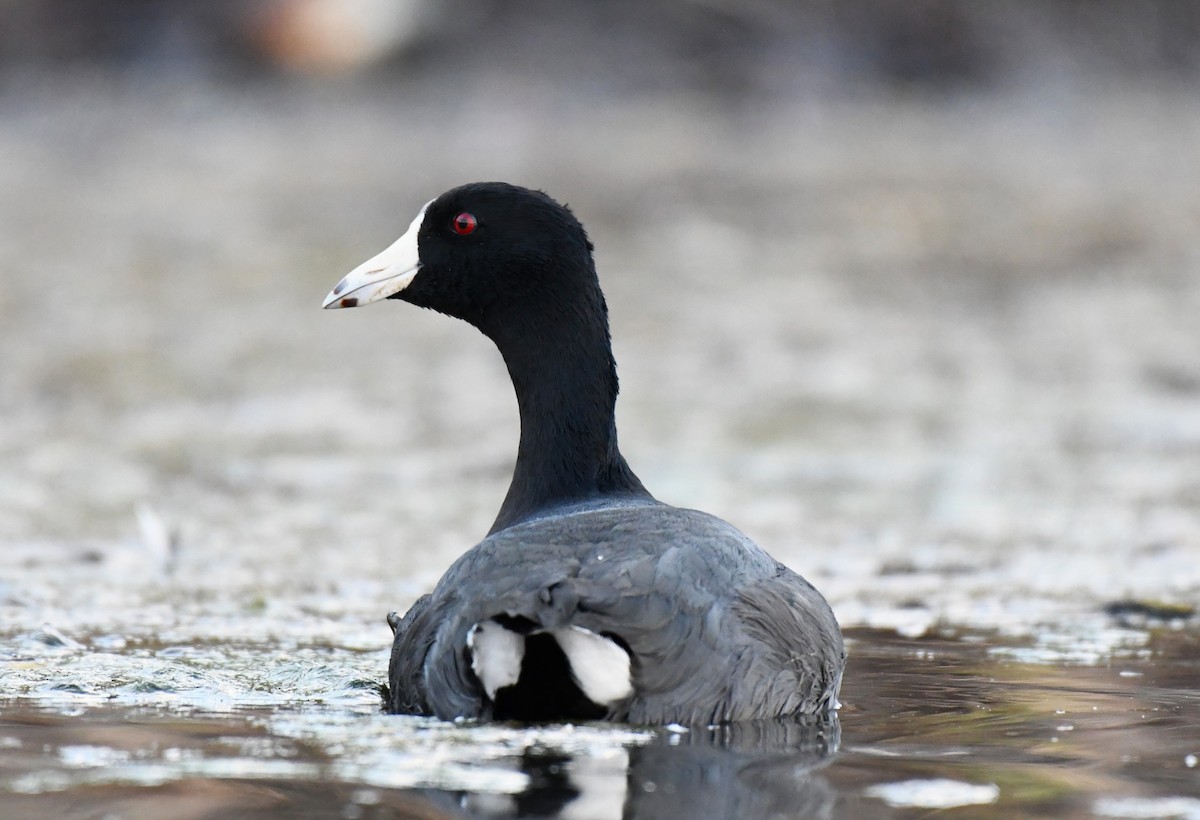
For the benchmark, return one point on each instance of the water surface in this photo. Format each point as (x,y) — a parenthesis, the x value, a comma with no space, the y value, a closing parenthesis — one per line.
(937,723)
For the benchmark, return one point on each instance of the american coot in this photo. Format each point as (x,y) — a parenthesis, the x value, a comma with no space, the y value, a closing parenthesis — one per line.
(588,599)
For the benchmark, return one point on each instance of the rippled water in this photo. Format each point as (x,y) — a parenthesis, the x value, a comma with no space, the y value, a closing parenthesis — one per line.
(939,355)
(947,721)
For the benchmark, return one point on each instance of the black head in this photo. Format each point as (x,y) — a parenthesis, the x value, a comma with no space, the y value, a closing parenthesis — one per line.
(518,266)
(486,253)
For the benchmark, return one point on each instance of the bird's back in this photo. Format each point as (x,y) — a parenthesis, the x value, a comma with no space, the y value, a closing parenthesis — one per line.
(713,627)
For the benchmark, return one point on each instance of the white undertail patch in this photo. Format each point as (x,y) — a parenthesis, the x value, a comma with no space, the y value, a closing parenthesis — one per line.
(599,665)
(496,655)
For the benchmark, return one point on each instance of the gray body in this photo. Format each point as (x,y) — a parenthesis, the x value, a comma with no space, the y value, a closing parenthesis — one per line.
(717,630)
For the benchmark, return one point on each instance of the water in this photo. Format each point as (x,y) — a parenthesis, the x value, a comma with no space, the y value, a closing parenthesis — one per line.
(933,723)
(948,369)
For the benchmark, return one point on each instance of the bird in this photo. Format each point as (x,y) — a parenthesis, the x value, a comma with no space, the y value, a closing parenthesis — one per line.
(588,599)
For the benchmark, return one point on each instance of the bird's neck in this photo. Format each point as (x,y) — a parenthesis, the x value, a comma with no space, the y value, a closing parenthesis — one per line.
(566,389)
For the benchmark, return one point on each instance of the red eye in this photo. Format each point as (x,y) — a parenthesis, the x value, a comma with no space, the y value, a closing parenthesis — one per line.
(465,223)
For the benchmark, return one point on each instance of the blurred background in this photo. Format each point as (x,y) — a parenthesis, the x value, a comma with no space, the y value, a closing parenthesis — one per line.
(907,290)
(761,48)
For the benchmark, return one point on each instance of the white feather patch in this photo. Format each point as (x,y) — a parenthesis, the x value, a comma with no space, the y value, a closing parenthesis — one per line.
(496,655)
(600,666)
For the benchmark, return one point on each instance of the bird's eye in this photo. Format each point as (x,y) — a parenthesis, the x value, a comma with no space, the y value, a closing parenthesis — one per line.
(465,223)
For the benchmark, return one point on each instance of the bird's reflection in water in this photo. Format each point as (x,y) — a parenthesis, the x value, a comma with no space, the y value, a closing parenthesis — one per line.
(747,770)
